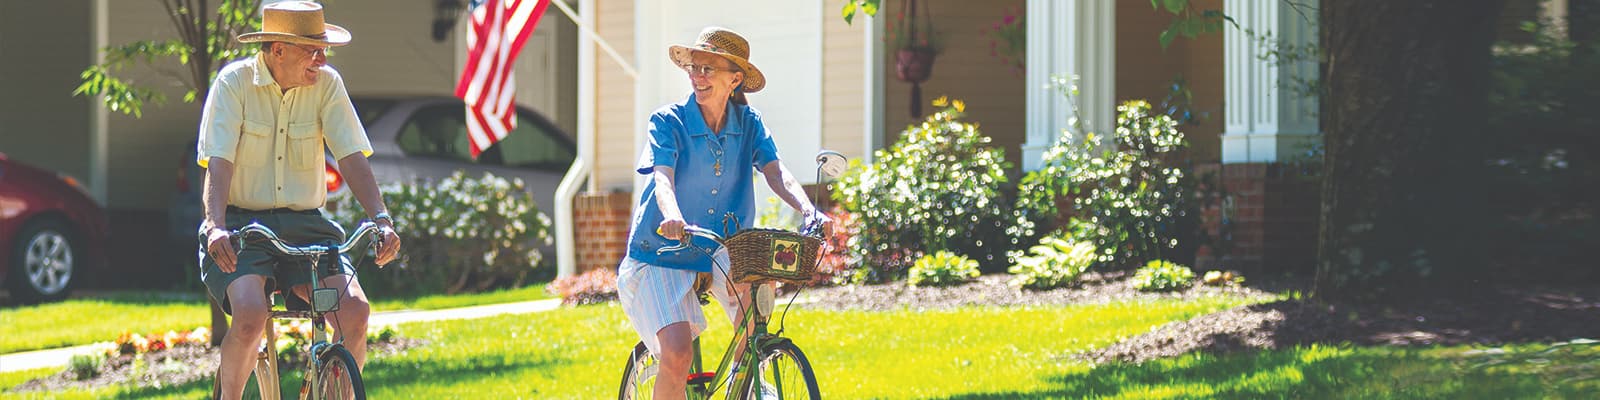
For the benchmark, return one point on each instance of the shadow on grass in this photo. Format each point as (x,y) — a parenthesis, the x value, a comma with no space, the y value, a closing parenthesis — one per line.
(1306,372)
(378,374)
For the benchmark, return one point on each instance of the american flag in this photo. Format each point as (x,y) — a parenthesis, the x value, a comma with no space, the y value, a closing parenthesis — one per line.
(499,28)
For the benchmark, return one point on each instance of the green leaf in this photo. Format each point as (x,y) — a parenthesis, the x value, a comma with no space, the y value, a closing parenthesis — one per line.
(1166,38)
(870,7)
(1176,6)
(849,11)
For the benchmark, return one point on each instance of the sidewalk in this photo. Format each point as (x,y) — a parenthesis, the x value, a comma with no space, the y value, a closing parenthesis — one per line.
(59,357)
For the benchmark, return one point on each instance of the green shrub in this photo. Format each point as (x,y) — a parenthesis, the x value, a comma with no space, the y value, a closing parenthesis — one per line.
(937,189)
(943,268)
(1125,193)
(1054,262)
(1162,276)
(458,235)
(85,366)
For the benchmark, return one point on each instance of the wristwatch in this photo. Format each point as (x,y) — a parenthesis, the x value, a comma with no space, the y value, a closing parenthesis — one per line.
(383,216)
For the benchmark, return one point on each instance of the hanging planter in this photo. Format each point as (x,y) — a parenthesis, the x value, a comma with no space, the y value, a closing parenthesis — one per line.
(916,46)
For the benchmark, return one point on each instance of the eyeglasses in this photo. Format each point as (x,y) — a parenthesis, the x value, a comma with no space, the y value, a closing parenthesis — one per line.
(315,50)
(704,69)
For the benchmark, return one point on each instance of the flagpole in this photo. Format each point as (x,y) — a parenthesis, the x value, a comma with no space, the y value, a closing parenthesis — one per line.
(626,67)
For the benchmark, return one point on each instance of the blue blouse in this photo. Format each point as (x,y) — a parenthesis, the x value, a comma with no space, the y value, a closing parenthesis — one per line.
(712,174)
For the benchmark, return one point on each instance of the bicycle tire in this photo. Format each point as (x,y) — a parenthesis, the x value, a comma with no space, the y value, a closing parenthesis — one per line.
(638,375)
(337,365)
(784,369)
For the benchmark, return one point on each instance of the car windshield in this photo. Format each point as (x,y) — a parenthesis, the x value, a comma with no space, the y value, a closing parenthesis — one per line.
(368,110)
(441,132)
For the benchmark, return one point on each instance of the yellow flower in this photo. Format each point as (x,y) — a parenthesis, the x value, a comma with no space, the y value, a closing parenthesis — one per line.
(960,105)
(941,101)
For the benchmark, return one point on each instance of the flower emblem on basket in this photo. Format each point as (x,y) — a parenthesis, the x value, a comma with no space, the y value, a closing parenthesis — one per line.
(785,254)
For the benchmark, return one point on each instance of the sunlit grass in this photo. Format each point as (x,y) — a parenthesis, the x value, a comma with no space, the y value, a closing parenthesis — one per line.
(579,352)
(102,318)
(972,353)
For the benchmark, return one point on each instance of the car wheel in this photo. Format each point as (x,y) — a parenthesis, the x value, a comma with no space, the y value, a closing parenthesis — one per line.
(44,262)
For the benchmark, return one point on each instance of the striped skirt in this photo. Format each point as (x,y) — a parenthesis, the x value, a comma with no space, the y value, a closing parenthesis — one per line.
(654,297)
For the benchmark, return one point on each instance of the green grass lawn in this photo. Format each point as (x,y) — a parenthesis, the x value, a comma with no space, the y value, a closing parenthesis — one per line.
(956,354)
(102,318)
(578,352)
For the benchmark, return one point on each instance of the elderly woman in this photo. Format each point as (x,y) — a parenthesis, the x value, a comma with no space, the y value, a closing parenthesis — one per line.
(702,155)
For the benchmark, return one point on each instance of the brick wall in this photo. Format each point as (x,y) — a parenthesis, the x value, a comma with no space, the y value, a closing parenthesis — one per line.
(1266,222)
(602,221)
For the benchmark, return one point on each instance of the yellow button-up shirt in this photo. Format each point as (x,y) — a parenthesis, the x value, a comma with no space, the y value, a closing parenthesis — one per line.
(275,138)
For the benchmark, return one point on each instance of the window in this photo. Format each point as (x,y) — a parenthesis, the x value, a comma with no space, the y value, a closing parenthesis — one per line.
(369,110)
(437,131)
(441,132)
(532,145)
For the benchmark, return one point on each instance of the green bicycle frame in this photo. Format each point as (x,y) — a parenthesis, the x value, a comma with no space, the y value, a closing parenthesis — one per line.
(750,358)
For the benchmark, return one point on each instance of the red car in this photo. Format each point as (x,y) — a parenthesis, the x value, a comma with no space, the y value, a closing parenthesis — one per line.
(51,232)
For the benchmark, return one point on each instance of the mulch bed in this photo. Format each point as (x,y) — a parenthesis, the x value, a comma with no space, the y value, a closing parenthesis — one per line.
(1505,314)
(175,366)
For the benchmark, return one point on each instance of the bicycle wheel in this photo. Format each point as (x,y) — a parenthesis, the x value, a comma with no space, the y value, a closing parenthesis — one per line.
(338,377)
(639,376)
(265,371)
(784,373)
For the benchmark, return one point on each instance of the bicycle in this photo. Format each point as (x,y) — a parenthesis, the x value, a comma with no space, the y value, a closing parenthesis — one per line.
(330,368)
(759,256)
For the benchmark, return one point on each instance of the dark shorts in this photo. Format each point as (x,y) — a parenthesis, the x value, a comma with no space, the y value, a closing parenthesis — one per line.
(281,271)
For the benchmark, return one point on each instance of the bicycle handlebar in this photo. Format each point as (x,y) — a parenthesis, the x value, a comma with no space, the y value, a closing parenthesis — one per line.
(263,232)
(689,230)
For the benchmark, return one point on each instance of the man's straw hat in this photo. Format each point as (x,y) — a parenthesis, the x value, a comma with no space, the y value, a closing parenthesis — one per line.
(298,22)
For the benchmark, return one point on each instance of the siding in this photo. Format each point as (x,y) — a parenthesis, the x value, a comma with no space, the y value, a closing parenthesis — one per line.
(993,93)
(45,46)
(1146,71)
(842,84)
(614,153)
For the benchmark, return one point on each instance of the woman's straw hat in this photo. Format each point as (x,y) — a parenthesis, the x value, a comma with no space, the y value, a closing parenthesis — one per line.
(298,22)
(729,45)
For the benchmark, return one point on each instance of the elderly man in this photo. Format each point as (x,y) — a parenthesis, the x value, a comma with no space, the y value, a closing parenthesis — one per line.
(262,134)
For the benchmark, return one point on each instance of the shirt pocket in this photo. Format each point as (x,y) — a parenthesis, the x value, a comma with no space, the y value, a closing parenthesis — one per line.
(305,145)
(255,144)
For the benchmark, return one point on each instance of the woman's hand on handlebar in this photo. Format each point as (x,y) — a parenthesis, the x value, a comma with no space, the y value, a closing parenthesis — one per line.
(671,228)
(820,221)
(219,245)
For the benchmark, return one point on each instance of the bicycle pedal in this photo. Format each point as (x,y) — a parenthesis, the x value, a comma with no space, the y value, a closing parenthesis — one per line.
(701,378)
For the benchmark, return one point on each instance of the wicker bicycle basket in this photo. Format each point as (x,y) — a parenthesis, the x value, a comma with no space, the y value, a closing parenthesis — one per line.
(772,254)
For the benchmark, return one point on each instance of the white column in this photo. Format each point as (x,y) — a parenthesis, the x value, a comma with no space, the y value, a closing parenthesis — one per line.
(99,115)
(578,175)
(1268,118)
(1068,38)
(872,115)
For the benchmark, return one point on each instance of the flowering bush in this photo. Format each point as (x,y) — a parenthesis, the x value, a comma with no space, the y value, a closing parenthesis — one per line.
(938,188)
(838,264)
(459,234)
(1161,276)
(1124,193)
(1008,40)
(129,343)
(943,268)
(596,286)
(293,337)
(1055,262)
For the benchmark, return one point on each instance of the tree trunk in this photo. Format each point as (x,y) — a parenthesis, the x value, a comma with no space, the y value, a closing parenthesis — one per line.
(1403,114)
